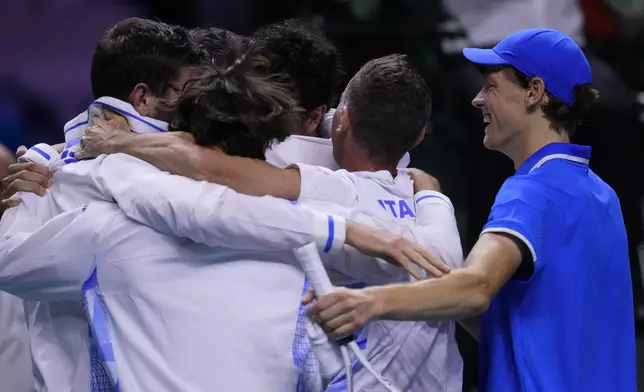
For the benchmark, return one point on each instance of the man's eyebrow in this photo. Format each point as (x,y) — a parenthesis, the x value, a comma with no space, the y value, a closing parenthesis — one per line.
(492,75)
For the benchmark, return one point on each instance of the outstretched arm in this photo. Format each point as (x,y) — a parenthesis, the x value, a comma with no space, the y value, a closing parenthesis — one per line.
(463,293)
(435,232)
(176,153)
(216,215)
(508,248)
(213,214)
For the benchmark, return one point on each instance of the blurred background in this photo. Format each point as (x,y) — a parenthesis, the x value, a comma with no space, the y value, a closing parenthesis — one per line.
(47,48)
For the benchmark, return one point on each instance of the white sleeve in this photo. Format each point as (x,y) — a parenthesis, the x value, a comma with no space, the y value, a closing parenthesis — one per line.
(351,265)
(333,186)
(436,227)
(213,214)
(52,262)
(27,217)
(320,185)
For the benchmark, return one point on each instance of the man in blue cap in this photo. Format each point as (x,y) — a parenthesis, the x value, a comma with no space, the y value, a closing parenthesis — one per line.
(550,270)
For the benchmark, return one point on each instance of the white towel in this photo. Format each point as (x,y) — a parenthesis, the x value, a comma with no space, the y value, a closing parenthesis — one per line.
(75,129)
(46,155)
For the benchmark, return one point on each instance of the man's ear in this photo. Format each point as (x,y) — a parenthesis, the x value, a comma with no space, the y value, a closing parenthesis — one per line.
(345,122)
(141,99)
(536,92)
(313,120)
(420,138)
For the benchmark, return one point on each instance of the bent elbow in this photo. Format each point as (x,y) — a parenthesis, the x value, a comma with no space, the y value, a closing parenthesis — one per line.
(481,296)
(480,303)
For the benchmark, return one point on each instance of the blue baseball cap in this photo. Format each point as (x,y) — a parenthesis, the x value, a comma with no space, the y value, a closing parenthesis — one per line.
(549,54)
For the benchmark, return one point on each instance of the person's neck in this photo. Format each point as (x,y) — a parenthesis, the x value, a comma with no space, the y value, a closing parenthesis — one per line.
(311,131)
(533,140)
(358,160)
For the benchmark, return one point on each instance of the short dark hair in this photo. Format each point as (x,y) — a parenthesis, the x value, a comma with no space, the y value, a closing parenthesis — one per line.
(219,47)
(389,107)
(140,51)
(241,109)
(302,51)
(564,117)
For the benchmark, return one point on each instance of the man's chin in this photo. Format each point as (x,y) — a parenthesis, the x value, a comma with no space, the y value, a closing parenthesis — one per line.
(491,140)
(489,143)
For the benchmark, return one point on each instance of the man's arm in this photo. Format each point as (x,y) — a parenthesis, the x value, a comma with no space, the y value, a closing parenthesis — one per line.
(212,214)
(462,293)
(435,227)
(438,231)
(435,220)
(53,262)
(218,216)
(435,230)
(507,248)
(175,153)
(352,265)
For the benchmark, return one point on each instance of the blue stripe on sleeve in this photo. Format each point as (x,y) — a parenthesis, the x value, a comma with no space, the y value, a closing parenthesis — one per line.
(329,241)
(428,197)
(41,152)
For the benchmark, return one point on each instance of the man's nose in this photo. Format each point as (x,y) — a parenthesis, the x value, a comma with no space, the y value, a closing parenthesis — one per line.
(478,101)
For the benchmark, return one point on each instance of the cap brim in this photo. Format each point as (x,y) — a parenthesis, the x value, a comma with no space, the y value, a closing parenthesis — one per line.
(483,56)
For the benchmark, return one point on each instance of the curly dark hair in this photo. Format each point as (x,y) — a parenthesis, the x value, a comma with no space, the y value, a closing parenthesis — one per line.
(302,51)
(219,47)
(140,51)
(241,109)
(562,116)
(389,107)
